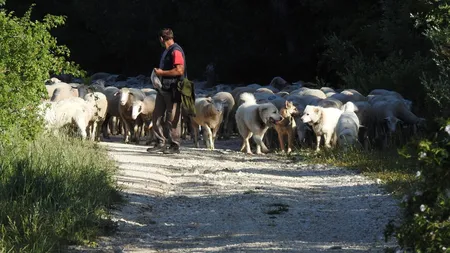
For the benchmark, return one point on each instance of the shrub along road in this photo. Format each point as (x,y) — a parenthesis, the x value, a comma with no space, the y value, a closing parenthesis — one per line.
(223,200)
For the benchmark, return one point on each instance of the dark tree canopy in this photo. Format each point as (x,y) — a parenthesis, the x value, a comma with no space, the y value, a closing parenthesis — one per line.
(358,44)
(248,41)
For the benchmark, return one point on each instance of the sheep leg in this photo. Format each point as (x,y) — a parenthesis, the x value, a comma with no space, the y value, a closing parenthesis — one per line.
(208,136)
(93,130)
(112,126)
(97,130)
(150,136)
(214,132)
(186,127)
(120,126)
(81,124)
(195,131)
(226,131)
(212,138)
(127,131)
(105,128)
(137,132)
(230,127)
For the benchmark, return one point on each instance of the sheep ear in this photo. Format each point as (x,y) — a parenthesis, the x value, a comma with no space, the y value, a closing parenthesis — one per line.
(316,110)
(117,93)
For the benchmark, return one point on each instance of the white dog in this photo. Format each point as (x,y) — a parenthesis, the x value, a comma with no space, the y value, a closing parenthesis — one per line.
(323,122)
(254,119)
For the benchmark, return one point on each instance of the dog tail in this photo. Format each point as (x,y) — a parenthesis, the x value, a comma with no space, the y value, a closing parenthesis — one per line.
(248,98)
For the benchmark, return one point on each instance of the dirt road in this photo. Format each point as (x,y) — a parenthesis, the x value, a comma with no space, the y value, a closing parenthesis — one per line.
(225,201)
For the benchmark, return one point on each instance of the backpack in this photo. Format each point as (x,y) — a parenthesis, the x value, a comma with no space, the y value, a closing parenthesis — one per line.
(186,88)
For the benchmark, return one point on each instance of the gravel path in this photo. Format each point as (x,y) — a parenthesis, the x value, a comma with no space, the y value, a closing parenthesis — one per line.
(225,201)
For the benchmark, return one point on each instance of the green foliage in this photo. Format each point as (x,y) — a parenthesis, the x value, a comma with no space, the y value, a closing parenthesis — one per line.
(437,85)
(437,95)
(426,223)
(389,52)
(365,73)
(53,192)
(28,55)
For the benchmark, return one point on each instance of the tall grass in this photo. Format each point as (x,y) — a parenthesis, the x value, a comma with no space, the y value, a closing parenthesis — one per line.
(395,171)
(54,191)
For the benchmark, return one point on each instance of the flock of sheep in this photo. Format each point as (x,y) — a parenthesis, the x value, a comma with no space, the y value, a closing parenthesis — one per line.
(108,106)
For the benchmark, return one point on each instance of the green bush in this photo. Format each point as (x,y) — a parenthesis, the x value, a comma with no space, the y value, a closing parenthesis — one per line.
(437,85)
(28,54)
(426,223)
(53,192)
(437,95)
(388,51)
(394,72)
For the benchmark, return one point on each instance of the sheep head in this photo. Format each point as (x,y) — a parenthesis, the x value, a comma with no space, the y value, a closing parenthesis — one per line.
(391,123)
(124,95)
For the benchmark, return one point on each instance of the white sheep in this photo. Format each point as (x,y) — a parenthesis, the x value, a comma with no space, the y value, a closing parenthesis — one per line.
(73,110)
(112,116)
(209,115)
(226,126)
(347,127)
(128,108)
(278,83)
(99,105)
(59,91)
(304,91)
(144,110)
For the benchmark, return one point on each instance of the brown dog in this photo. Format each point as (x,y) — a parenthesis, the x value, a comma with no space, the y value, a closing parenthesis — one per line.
(287,126)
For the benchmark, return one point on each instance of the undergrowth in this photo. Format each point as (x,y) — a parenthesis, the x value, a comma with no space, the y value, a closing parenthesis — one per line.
(395,171)
(54,192)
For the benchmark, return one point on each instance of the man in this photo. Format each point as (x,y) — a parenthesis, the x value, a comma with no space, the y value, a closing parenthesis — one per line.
(168,99)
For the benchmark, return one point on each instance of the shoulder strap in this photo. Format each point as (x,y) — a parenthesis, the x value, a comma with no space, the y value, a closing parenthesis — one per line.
(177,47)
